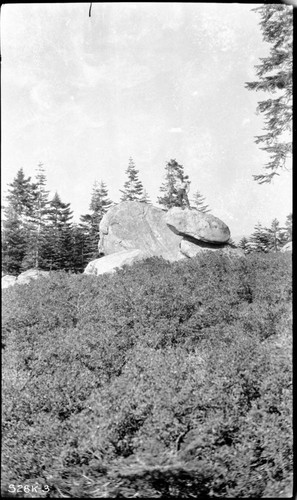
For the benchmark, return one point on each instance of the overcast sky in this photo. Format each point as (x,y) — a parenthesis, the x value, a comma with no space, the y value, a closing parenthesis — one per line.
(153,81)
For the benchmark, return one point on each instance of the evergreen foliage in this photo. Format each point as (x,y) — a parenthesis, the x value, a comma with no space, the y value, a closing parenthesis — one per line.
(58,250)
(275,76)
(36,234)
(163,380)
(145,197)
(198,202)
(133,188)
(89,223)
(21,195)
(20,206)
(277,236)
(173,172)
(13,242)
(267,239)
(80,247)
(289,227)
(245,245)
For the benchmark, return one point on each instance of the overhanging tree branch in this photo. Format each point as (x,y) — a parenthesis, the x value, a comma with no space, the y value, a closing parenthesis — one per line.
(277,28)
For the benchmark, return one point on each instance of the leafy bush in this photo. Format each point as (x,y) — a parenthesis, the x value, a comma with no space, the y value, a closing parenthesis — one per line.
(163,379)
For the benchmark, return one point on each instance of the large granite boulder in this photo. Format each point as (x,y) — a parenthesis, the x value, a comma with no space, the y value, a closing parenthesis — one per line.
(110,263)
(7,281)
(133,224)
(198,225)
(134,230)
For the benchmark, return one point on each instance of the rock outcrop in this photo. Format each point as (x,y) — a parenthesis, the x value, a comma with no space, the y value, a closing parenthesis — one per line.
(134,230)
(288,247)
(23,278)
(7,281)
(30,275)
(111,262)
(197,225)
(133,224)
(190,249)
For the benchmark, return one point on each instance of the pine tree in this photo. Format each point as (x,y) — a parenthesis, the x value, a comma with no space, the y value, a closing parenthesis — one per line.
(89,223)
(173,172)
(289,227)
(145,198)
(37,221)
(245,245)
(275,76)
(20,196)
(14,242)
(58,250)
(81,246)
(19,208)
(133,188)
(198,201)
(259,240)
(268,239)
(276,236)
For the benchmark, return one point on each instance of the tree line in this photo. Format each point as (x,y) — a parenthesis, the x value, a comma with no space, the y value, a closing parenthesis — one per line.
(39,232)
(268,239)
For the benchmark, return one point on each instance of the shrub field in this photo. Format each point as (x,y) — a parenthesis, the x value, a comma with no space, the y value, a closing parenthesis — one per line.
(161,380)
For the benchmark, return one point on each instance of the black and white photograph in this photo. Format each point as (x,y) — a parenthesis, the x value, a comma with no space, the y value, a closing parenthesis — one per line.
(146,201)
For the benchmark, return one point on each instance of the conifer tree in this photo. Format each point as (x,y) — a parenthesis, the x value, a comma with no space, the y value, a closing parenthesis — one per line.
(37,221)
(80,250)
(276,236)
(89,223)
(169,187)
(245,245)
(58,249)
(145,197)
(275,77)
(289,227)
(259,239)
(266,239)
(15,225)
(14,242)
(198,201)
(20,196)
(133,188)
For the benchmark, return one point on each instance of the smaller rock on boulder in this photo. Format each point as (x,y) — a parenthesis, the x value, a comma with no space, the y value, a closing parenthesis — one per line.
(110,263)
(197,225)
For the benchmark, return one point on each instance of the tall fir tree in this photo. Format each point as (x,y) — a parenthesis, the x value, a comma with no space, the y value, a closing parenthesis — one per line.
(80,248)
(37,222)
(14,242)
(245,245)
(269,239)
(277,236)
(20,196)
(145,197)
(198,201)
(19,207)
(275,77)
(133,188)
(89,223)
(259,239)
(58,250)
(289,227)
(173,171)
